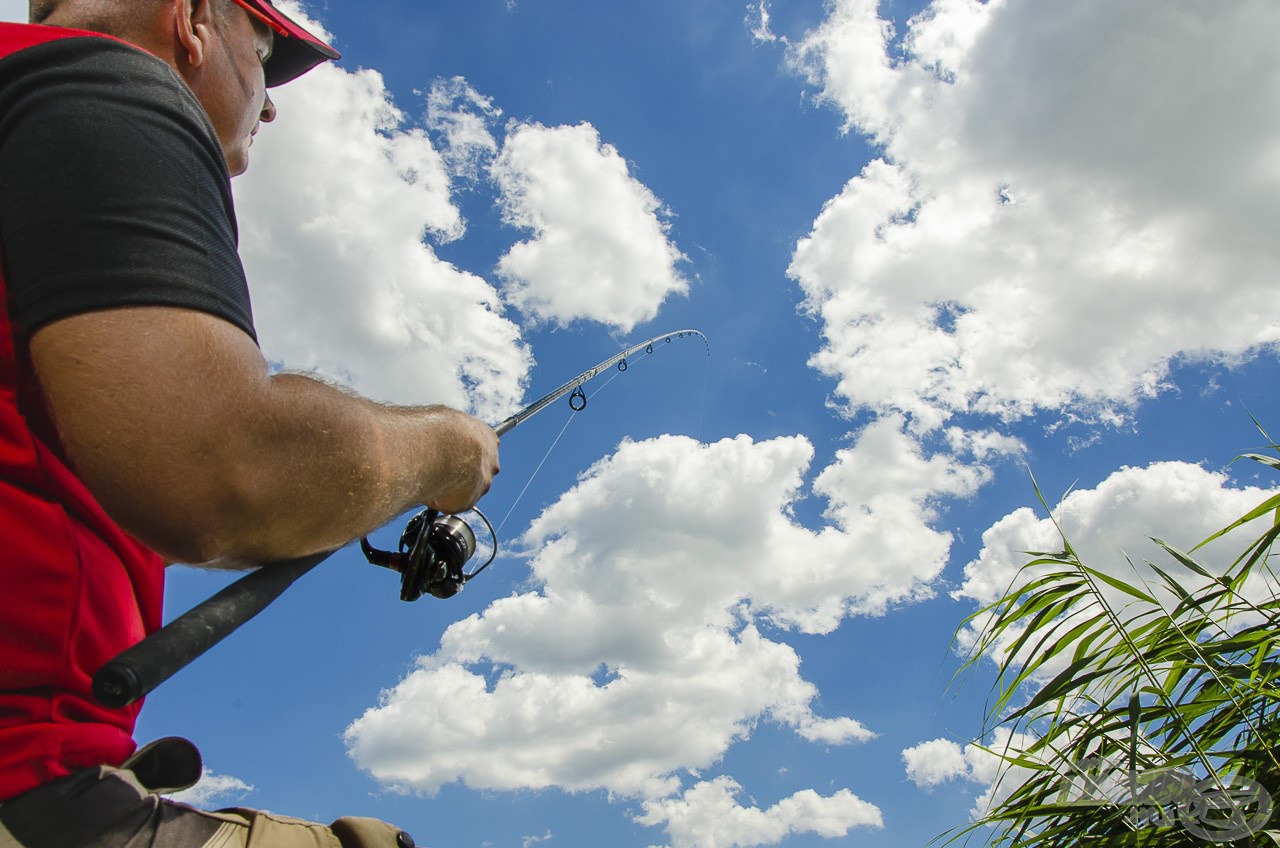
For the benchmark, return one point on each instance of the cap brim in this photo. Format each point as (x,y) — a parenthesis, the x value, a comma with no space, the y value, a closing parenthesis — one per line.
(295,50)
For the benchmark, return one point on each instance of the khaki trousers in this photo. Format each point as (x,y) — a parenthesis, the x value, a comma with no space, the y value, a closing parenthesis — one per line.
(107,807)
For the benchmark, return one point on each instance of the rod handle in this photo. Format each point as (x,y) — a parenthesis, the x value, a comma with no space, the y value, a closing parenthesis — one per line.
(136,671)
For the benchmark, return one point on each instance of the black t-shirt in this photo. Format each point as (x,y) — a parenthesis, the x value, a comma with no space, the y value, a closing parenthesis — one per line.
(113,188)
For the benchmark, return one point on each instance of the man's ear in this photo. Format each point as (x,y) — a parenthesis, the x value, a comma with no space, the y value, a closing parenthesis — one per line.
(194,22)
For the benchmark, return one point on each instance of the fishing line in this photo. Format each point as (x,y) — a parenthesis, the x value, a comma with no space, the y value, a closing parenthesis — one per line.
(547,455)
(702,407)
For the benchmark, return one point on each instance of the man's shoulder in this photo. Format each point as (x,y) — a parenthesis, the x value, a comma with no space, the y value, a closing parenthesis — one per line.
(76,77)
(15,37)
(47,54)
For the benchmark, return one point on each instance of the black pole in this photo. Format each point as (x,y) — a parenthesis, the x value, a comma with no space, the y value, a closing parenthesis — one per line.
(136,671)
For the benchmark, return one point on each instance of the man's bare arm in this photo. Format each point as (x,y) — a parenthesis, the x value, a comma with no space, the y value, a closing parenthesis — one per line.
(172,420)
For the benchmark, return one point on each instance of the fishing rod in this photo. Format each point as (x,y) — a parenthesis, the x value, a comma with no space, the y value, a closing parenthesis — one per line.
(433,552)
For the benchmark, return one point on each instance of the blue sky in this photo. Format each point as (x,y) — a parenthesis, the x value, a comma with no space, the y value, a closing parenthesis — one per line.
(936,248)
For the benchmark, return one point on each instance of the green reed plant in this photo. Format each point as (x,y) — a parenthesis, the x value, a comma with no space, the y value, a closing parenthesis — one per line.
(1141,712)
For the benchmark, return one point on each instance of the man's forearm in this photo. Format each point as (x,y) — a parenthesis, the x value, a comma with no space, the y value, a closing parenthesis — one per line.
(173,422)
(325,466)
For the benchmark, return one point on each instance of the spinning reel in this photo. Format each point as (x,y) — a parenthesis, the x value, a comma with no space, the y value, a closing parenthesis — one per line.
(434,549)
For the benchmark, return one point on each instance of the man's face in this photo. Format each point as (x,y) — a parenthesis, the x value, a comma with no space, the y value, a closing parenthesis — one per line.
(233,90)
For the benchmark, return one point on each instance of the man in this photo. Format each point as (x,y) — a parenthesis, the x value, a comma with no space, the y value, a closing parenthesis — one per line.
(139,423)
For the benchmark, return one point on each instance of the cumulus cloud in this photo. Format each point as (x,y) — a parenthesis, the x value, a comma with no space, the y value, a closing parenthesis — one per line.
(1068,198)
(600,249)
(641,655)
(938,761)
(1111,528)
(627,732)
(334,210)
(665,667)
(935,762)
(987,767)
(214,790)
(709,815)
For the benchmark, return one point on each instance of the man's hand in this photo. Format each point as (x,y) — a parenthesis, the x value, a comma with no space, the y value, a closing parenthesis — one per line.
(468,459)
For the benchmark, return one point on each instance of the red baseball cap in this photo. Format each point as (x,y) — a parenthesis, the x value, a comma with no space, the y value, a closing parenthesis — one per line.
(295,50)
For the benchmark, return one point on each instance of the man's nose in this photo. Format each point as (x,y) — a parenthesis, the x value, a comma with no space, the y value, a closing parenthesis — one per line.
(268,109)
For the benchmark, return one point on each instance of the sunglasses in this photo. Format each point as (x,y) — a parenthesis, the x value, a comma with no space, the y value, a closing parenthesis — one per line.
(254,11)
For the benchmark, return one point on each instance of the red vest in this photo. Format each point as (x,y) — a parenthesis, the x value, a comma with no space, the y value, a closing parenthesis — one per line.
(75,589)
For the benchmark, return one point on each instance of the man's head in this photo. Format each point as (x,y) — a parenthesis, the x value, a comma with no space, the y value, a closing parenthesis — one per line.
(228,51)
(223,55)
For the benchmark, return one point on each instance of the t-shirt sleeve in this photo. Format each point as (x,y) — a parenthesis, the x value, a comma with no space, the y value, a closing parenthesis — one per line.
(113,188)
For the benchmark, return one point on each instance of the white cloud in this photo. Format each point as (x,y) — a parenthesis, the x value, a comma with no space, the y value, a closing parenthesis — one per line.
(213,790)
(13,10)
(600,249)
(1111,529)
(462,117)
(510,729)
(1113,524)
(884,494)
(935,762)
(1069,197)
(709,816)
(333,212)
(758,22)
(529,841)
(847,56)
(640,655)
(987,766)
